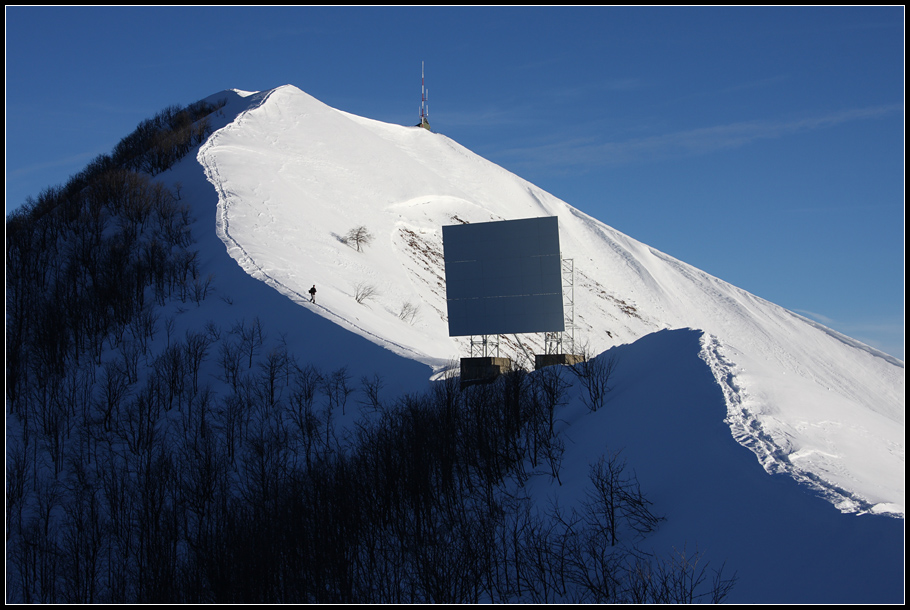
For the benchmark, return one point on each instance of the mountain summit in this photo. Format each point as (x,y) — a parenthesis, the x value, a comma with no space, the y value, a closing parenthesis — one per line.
(294,177)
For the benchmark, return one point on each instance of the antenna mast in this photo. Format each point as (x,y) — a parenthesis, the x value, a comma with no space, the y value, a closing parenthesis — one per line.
(424,109)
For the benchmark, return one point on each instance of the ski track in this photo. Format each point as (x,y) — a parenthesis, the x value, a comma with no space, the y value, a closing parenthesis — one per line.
(749,432)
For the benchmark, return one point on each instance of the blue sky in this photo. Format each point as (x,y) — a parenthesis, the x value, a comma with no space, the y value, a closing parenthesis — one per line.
(762,145)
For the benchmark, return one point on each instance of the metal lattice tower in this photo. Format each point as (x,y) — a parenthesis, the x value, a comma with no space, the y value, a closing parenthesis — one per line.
(424,108)
(564,342)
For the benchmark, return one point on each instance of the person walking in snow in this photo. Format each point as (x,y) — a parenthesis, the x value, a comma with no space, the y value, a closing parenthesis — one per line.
(313,294)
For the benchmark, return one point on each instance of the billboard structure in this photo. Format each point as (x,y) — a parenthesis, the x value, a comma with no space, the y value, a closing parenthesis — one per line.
(503,277)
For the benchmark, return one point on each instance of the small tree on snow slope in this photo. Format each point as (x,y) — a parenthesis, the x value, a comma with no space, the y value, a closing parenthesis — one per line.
(358,237)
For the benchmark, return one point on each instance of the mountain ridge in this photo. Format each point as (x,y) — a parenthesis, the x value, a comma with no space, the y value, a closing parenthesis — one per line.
(182,427)
(293,174)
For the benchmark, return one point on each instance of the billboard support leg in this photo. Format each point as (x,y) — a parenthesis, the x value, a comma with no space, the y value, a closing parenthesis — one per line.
(483,346)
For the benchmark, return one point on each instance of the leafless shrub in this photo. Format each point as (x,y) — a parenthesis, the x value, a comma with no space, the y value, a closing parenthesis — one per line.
(678,578)
(202,287)
(364,291)
(408,312)
(595,374)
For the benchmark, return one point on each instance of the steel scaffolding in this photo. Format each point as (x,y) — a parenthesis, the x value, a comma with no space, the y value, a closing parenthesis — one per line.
(564,342)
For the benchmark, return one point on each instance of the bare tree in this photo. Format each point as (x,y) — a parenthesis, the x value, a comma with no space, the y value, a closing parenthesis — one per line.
(364,291)
(616,500)
(678,578)
(196,349)
(17,470)
(408,312)
(336,387)
(276,363)
(202,287)
(251,338)
(358,237)
(229,357)
(371,388)
(113,389)
(595,374)
(307,381)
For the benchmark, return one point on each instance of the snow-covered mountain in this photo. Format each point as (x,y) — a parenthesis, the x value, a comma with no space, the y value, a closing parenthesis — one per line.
(709,377)
(767,443)
(293,176)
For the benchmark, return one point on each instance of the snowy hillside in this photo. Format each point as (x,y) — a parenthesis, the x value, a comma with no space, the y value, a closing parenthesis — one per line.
(293,176)
(184,425)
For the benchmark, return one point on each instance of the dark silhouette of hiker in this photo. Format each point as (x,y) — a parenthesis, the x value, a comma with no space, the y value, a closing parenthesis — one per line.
(313,294)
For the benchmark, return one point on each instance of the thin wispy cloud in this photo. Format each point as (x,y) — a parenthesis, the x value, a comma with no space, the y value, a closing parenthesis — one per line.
(821,318)
(489,116)
(518,110)
(588,152)
(881,333)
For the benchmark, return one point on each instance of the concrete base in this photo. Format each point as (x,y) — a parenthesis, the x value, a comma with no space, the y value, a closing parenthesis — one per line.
(543,360)
(483,370)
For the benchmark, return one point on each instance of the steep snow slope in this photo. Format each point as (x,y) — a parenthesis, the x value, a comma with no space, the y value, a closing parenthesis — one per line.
(666,416)
(293,176)
(239,298)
